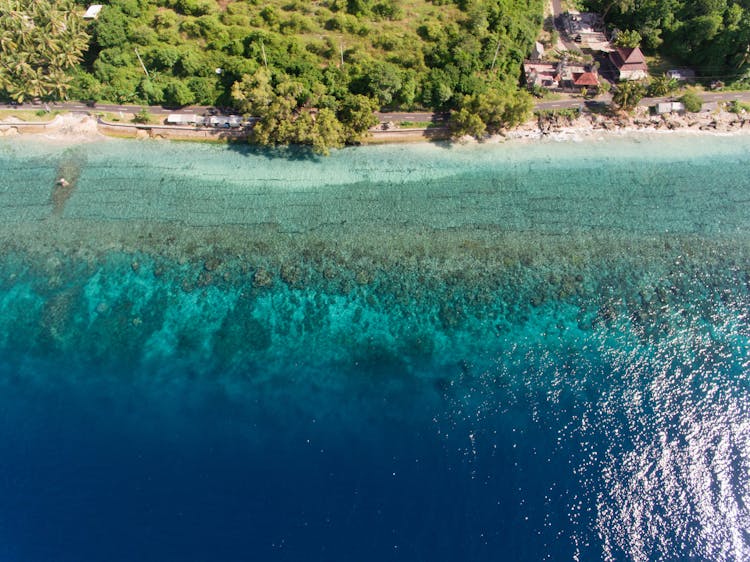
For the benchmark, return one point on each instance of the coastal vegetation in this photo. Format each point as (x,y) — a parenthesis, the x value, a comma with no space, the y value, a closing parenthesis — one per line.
(311,72)
(40,41)
(692,101)
(626,95)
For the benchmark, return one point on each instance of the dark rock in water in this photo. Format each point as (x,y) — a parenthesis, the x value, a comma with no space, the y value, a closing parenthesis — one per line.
(205,279)
(211,264)
(68,172)
(607,313)
(188,286)
(291,274)
(537,300)
(450,316)
(363,277)
(135,266)
(262,278)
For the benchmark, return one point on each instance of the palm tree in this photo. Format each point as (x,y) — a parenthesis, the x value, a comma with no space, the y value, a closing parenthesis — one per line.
(626,95)
(39,41)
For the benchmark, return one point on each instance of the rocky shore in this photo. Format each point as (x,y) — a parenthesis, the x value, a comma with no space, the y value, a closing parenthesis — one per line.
(66,128)
(564,126)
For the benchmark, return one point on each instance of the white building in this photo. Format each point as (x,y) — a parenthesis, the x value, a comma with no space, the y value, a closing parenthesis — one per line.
(184,119)
(93,12)
(670,107)
(682,74)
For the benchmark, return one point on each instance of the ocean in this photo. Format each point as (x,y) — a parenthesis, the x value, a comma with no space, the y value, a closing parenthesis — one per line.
(521,351)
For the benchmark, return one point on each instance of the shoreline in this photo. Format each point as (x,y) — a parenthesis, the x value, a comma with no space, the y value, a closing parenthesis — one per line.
(77,128)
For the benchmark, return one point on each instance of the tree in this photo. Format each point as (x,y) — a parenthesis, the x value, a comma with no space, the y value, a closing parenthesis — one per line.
(662,86)
(490,112)
(708,34)
(178,93)
(40,41)
(322,131)
(465,122)
(692,101)
(356,114)
(287,112)
(253,94)
(626,95)
(628,39)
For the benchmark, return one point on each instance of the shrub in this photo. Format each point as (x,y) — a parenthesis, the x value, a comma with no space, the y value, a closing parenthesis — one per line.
(692,101)
(143,116)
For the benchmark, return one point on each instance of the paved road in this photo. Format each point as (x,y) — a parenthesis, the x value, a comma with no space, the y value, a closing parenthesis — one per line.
(557,20)
(395,117)
(708,97)
(414,116)
(559,104)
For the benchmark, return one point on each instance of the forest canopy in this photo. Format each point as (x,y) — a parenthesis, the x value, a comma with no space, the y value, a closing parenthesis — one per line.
(40,41)
(712,36)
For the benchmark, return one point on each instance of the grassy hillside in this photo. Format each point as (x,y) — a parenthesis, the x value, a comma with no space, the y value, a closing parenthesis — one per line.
(406,54)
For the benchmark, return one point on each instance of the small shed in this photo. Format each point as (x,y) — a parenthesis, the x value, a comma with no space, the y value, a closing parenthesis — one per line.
(537,52)
(669,107)
(92,12)
(681,74)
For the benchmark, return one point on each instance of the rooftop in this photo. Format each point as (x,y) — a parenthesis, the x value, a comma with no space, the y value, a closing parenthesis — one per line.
(92,12)
(585,79)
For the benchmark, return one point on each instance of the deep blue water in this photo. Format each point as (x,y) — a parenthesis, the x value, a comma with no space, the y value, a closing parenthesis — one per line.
(398,353)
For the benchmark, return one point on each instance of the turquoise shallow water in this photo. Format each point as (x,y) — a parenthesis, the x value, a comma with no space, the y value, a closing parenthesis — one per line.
(417,352)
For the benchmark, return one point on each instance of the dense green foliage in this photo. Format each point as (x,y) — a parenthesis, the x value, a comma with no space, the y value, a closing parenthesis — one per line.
(626,95)
(321,65)
(334,56)
(290,112)
(629,39)
(662,85)
(710,35)
(489,112)
(39,41)
(692,101)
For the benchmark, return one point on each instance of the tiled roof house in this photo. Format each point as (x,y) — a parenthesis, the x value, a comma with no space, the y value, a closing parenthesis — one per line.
(629,62)
(585,79)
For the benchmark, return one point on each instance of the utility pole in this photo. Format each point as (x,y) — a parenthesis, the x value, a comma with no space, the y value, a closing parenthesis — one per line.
(494,59)
(263,51)
(143,66)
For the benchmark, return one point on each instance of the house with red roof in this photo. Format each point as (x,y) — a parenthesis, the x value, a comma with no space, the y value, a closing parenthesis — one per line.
(629,63)
(585,80)
(577,76)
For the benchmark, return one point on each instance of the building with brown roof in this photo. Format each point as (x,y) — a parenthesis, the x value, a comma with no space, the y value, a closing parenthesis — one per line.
(629,62)
(585,80)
